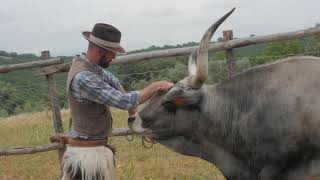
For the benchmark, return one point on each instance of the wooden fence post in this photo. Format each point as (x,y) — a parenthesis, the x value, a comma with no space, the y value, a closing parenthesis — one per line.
(55,104)
(231,60)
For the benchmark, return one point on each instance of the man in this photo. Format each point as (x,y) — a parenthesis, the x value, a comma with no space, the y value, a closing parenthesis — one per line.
(91,90)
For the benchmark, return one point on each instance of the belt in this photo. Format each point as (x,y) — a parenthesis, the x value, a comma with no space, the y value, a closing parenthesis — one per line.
(86,143)
(65,139)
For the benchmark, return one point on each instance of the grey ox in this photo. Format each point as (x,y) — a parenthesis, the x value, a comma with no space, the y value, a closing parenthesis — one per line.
(263,123)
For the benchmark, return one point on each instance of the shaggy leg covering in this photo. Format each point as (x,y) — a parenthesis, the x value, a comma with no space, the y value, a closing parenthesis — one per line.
(88,163)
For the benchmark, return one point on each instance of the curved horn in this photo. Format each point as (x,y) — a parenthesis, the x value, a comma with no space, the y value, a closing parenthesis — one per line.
(198,63)
(192,63)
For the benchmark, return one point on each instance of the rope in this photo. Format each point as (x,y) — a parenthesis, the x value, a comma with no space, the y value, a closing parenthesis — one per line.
(145,140)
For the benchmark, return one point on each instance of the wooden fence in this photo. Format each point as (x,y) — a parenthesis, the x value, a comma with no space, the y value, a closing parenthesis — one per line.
(49,67)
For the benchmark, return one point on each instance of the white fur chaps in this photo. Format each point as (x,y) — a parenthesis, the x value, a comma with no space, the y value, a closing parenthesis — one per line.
(89,163)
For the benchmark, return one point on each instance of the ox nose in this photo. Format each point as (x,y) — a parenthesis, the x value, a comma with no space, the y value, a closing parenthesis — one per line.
(131,119)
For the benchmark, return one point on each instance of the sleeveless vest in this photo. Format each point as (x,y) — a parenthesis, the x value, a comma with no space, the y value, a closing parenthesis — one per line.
(88,119)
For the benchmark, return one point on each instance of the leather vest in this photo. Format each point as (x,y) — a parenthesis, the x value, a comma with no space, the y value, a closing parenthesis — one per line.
(88,119)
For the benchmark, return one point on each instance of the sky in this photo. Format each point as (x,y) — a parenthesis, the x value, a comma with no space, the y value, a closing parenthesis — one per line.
(56,25)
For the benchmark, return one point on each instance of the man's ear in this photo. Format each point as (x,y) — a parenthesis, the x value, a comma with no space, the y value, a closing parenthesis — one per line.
(180,97)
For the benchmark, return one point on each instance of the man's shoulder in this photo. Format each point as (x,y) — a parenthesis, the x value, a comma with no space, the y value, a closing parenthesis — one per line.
(84,75)
(110,76)
(107,72)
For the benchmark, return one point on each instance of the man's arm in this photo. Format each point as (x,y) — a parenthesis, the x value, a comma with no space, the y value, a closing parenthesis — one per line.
(89,86)
(133,110)
(109,77)
(147,92)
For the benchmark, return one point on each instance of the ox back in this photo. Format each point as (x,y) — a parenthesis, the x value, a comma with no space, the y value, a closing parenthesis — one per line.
(268,116)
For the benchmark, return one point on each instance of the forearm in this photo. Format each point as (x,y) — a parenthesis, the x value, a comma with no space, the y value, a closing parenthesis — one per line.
(147,92)
(131,111)
(121,100)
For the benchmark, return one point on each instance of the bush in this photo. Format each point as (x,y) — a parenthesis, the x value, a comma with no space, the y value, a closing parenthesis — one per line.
(8,98)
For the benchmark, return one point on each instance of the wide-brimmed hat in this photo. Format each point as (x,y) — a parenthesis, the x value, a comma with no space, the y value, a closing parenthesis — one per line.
(105,36)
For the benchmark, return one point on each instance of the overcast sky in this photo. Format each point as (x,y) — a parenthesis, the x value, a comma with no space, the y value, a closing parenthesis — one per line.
(29,26)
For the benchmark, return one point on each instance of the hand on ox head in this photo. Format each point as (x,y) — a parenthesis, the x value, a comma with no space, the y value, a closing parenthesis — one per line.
(163,86)
(149,91)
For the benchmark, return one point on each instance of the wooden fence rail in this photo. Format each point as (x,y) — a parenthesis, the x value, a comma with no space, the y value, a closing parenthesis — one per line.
(30,150)
(228,45)
(57,146)
(29,65)
(235,43)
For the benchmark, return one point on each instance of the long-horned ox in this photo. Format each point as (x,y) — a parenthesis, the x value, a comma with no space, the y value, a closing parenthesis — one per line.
(263,123)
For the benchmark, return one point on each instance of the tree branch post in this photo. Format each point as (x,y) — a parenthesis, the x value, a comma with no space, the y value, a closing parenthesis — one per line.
(55,104)
(231,60)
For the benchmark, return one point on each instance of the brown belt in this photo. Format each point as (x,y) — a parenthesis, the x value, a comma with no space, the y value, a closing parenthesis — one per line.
(86,143)
(65,139)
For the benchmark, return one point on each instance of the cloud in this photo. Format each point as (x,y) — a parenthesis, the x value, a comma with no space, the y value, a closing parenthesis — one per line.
(56,25)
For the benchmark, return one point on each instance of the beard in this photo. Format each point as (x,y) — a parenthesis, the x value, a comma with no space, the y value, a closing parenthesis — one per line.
(103,62)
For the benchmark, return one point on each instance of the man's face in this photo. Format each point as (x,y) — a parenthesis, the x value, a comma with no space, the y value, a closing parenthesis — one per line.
(106,58)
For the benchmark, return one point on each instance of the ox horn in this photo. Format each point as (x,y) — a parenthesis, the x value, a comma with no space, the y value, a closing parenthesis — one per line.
(198,61)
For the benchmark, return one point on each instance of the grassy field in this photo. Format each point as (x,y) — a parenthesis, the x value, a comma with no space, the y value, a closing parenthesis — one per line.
(134,162)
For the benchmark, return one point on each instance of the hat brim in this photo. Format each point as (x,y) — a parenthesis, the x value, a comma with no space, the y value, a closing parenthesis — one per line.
(118,50)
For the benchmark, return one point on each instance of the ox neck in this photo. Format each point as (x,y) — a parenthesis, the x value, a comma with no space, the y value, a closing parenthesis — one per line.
(218,119)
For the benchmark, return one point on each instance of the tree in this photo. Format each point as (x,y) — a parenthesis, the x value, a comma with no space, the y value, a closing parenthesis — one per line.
(284,48)
(8,99)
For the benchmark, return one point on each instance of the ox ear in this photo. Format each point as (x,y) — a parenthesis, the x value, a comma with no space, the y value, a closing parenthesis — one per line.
(180,96)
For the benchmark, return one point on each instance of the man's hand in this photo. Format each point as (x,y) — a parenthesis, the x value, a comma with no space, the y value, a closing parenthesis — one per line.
(147,92)
(162,85)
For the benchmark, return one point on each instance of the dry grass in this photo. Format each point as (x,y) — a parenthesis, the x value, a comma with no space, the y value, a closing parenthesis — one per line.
(134,162)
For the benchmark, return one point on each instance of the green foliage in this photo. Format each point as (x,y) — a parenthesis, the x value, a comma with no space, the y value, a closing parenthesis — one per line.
(139,84)
(218,70)
(154,48)
(284,48)
(217,56)
(3,113)
(276,50)
(8,54)
(8,99)
(312,44)
(156,69)
(253,50)
(176,73)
